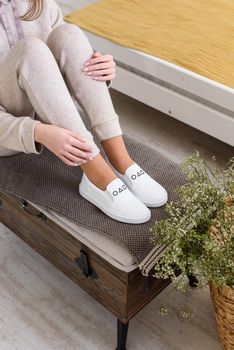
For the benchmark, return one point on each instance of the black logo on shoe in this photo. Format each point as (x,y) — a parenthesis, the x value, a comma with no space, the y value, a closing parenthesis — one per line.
(120,190)
(138,174)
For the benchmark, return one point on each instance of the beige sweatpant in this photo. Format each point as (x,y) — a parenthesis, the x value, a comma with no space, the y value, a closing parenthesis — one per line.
(39,79)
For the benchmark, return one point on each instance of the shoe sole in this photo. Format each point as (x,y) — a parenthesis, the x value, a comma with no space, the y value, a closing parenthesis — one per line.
(114,216)
(158,205)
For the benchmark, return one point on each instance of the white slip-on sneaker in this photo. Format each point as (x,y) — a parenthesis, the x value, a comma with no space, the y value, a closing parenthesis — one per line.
(117,201)
(143,186)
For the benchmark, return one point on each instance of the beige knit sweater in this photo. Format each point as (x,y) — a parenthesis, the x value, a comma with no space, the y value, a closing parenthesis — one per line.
(11,125)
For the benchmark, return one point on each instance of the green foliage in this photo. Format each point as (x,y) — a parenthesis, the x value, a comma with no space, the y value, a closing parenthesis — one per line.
(187,229)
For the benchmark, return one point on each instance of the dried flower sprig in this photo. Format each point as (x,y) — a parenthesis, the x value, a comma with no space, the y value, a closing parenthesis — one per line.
(187,231)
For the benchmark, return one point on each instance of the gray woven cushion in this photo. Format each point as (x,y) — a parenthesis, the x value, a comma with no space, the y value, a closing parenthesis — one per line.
(45,180)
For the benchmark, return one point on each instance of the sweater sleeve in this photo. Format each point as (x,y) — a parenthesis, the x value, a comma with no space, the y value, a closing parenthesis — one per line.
(56,15)
(17,133)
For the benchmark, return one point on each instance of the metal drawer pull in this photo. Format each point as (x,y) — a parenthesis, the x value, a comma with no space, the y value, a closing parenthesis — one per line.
(24,207)
(83,263)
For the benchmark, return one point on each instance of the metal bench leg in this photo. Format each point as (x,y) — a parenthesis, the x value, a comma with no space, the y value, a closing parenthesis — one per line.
(193,281)
(122,332)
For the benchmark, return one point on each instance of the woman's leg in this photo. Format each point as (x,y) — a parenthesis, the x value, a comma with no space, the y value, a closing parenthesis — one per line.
(117,153)
(32,76)
(32,80)
(71,49)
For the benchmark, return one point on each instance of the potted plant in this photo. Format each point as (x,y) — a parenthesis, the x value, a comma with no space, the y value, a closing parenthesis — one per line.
(197,238)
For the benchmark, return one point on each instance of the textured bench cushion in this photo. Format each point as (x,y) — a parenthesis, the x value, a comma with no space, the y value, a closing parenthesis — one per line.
(45,180)
(109,249)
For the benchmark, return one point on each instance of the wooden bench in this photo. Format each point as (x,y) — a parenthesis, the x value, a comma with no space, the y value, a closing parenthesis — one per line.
(122,290)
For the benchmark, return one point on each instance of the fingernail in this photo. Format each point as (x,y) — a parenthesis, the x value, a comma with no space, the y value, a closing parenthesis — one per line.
(87,63)
(85,69)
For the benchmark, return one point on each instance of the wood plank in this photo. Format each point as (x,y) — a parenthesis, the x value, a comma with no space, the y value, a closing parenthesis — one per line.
(124,294)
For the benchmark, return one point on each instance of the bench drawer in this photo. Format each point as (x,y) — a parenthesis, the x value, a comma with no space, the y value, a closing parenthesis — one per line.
(94,274)
(122,293)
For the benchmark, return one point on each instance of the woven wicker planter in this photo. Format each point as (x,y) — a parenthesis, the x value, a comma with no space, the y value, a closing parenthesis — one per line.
(223,301)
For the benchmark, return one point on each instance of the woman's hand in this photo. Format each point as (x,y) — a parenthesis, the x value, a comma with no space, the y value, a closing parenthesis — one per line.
(100,67)
(71,148)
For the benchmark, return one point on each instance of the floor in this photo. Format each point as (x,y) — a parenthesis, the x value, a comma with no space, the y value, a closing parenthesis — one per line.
(41,309)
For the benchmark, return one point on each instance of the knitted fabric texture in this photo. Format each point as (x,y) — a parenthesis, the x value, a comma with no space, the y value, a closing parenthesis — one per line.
(45,180)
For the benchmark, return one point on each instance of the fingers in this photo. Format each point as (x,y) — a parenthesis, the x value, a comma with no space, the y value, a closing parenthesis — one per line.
(104,78)
(98,66)
(102,75)
(96,54)
(67,161)
(101,72)
(71,160)
(101,58)
(77,136)
(78,159)
(79,142)
(77,145)
(99,69)
(75,153)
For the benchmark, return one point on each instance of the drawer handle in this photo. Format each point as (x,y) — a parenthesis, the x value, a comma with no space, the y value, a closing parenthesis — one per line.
(24,206)
(83,263)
